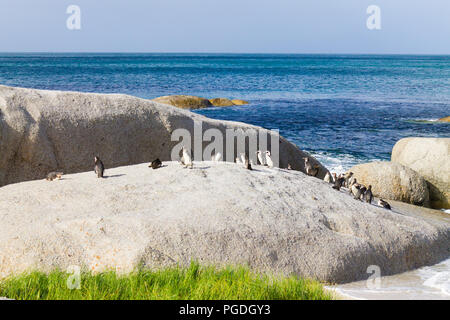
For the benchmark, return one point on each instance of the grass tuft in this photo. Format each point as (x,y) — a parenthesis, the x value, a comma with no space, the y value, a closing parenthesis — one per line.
(192,283)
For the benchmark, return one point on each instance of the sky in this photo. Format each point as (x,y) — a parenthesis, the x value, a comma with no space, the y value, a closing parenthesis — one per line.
(234,26)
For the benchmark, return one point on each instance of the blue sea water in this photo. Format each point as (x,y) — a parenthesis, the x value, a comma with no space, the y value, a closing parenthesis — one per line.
(344,109)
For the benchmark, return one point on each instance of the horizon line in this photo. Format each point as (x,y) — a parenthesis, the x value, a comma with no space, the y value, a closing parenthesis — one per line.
(224,53)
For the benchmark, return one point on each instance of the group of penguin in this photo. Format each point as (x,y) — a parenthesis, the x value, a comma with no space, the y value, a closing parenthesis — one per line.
(358,190)
(186,159)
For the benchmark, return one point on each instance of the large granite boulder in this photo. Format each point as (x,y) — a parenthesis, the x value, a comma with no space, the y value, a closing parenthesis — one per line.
(430,157)
(393,181)
(273,220)
(185,102)
(43,131)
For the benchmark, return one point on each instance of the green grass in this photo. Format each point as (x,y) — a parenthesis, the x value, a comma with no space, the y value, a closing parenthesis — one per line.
(194,282)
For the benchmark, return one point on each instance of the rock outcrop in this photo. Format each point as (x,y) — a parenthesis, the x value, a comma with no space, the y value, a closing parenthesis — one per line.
(239,102)
(216,213)
(221,102)
(185,102)
(393,181)
(430,157)
(445,119)
(194,102)
(43,131)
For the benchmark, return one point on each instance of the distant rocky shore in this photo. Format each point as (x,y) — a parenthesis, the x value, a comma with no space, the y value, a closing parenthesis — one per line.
(194,102)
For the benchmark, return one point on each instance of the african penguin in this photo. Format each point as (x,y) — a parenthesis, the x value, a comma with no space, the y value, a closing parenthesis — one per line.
(99,168)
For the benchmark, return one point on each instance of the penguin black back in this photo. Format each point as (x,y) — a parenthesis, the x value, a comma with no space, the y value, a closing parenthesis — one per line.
(338,183)
(54,175)
(384,204)
(368,196)
(99,168)
(156,164)
(247,163)
(360,193)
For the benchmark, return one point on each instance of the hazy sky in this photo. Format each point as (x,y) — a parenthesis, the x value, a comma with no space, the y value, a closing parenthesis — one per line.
(284,26)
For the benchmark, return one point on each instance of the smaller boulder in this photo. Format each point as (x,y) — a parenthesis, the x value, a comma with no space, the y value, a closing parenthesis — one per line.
(184,102)
(221,102)
(239,102)
(393,181)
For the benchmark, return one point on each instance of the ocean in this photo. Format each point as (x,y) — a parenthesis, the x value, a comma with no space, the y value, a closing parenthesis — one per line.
(343,109)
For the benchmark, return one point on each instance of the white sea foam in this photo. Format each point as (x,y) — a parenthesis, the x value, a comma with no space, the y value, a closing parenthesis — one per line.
(431,282)
(340,163)
(437,276)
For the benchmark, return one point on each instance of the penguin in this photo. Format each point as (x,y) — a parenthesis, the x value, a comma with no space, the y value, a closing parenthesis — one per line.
(311,170)
(187,158)
(316,170)
(260,157)
(247,163)
(354,187)
(243,158)
(54,175)
(155,164)
(348,181)
(217,157)
(328,178)
(361,190)
(338,183)
(334,177)
(384,204)
(368,196)
(269,159)
(289,167)
(238,160)
(99,168)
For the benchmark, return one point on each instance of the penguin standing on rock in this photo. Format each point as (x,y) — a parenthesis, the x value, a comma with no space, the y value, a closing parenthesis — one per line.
(155,164)
(360,193)
(311,170)
(334,177)
(269,159)
(216,157)
(243,155)
(328,178)
(338,183)
(99,168)
(368,196)
(260,157)
(186,159)
(348,179)
(354,186)
(247,163)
